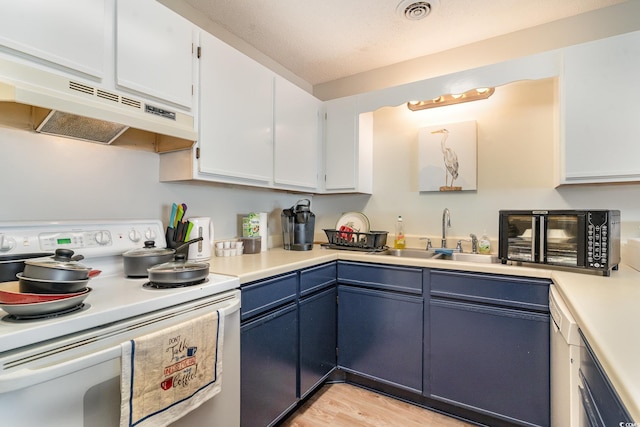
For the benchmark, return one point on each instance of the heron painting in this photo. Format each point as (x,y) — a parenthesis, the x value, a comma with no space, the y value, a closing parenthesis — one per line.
(448,151)
(450,161)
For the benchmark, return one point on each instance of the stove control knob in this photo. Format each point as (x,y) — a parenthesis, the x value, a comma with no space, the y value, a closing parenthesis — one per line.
(150,234)
(134,235)
(102,238)
(6,243)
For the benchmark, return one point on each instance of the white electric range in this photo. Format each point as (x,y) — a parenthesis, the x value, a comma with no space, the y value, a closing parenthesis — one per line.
(78,352)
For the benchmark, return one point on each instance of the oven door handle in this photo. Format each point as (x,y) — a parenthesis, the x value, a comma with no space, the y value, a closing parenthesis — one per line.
(26,377)
(543,243)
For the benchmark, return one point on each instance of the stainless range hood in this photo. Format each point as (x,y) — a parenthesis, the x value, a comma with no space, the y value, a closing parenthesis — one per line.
(72,108)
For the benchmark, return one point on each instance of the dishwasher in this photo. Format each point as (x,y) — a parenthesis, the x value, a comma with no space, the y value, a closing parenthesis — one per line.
(565,363)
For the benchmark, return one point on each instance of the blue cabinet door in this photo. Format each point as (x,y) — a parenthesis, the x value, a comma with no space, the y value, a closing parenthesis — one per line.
(491,360)
(318,338)
(600,404)
(380,336)
(269,363)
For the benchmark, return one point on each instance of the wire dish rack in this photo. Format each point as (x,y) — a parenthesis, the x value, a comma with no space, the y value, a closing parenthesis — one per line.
(373,241)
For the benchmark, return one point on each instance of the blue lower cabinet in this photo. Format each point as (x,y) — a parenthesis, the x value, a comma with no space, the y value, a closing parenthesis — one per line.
(269,361)
(491,360)
(317,338)
(380,336)
(600,404)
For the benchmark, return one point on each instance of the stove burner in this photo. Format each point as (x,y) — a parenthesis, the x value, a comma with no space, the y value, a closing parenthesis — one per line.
(153,285)
(13,318)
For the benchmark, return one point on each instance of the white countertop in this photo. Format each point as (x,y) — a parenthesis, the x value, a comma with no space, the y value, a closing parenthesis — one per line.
(606,308)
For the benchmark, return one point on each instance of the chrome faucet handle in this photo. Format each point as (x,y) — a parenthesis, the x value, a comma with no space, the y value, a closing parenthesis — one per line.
(428,242)
(474,243)
(459,244)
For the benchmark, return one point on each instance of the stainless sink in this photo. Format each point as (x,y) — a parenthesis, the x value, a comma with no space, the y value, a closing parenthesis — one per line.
(469,257)
(431,254)
(413,253)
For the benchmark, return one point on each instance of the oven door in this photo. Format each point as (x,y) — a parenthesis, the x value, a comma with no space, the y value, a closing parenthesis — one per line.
(76,381)
(519,236)
(544,237)
(564,239)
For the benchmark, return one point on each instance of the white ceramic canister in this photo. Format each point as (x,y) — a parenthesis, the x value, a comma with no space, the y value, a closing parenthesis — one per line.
(202,227)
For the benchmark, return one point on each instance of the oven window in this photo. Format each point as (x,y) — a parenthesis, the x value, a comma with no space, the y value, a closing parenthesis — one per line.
(521,232)
(562,240)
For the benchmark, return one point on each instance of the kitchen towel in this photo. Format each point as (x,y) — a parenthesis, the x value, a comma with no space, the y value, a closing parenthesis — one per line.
(168,373)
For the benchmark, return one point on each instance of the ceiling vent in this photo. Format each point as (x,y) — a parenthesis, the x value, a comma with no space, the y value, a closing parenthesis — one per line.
(416,10)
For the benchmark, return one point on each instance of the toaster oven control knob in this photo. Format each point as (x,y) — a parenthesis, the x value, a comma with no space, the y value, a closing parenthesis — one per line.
(102,238)
(134,235)
(6,243)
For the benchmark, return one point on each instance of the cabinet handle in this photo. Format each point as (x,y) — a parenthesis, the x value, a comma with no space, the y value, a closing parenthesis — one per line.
(588,404)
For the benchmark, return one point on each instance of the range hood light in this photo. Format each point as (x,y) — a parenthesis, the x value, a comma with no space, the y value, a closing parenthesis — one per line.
(450,99)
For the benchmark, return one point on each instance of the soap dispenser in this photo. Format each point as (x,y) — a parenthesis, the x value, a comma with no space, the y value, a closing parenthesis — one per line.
(484,244)
(399,242)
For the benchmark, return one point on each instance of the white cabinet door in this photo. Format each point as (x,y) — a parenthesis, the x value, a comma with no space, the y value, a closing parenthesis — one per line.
(235,115)
(296,137)
(340,144)
(70,33)
(154,51)
(347,147)
(600,93)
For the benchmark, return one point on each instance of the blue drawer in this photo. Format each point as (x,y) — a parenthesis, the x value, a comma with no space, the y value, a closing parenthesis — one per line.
(262,296)
(510,291)
(387,277)
(316,278)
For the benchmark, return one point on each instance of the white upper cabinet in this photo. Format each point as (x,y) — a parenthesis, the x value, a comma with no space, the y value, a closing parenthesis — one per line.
(296,150)
(154,51)
(236,116)
(68,33)
(599,107)
(348,144)
(136,46)
(255,127)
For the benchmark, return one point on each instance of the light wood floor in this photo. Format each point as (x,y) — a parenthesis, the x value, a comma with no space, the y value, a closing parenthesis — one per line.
(345,405)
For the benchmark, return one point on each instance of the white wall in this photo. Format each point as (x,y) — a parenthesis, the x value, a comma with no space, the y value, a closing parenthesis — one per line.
(48,178)
(517,134)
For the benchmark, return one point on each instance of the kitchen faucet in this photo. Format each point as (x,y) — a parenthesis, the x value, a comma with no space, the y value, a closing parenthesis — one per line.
(446,222)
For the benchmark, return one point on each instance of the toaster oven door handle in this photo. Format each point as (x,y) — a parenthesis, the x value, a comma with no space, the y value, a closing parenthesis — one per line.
(534,237)
(542,239)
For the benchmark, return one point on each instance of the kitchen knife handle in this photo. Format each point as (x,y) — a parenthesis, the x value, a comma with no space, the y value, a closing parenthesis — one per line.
(180,232)
(188,233)
(172,218)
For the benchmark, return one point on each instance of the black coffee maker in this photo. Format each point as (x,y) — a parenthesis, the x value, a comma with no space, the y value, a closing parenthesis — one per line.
(298,224)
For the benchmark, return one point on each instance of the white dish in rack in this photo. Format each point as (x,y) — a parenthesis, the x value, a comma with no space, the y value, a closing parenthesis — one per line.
(355,221)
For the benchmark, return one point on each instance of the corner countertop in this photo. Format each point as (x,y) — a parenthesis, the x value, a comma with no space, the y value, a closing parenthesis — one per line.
(605,308)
